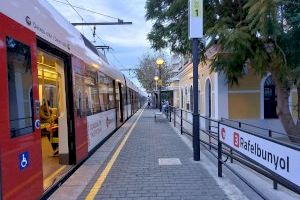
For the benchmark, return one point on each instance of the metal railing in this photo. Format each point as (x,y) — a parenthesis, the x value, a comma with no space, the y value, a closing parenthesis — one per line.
(209,139)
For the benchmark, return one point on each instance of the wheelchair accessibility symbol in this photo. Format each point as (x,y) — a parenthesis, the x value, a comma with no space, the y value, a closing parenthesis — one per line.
(23,160)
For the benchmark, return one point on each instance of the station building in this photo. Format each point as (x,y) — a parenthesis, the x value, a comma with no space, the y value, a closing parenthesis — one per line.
(253,100)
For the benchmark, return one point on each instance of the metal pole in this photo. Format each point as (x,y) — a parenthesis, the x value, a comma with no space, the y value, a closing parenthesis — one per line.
(219,153)
(181,122)
(174,117)
(275,185)
(160,88)
(156,93)
(196,137)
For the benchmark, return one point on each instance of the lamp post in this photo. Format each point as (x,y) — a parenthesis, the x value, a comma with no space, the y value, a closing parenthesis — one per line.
(159,63)
(156,79)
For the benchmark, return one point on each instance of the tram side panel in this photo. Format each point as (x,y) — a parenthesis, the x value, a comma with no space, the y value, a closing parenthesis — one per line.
(101,111)
(20,139)
(79,110)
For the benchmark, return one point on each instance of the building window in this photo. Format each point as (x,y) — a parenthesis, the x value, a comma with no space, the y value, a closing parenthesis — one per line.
(19,88)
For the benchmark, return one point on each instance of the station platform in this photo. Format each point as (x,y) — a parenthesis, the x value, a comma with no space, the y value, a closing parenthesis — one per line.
(146,159)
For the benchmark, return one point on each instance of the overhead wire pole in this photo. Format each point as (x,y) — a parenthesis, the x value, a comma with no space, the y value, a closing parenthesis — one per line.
(84,23)
(120,22)
(195,33)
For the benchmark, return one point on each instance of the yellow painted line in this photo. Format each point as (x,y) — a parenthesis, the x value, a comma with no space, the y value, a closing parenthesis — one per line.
(53,175)
(98,184)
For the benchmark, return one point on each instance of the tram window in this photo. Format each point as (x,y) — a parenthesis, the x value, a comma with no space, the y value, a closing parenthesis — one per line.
(111,94)
(92,101)
(20,88)
(106,92)
(128,96)
(124,94)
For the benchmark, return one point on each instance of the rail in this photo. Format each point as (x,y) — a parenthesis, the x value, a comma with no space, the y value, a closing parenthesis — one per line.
(222,151)
(254,128)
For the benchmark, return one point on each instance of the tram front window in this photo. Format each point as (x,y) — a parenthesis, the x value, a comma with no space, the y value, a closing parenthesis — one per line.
(53,116)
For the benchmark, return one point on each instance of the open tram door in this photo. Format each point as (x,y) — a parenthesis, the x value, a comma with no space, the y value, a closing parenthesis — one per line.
(119,103)
(20,139)
(55,112)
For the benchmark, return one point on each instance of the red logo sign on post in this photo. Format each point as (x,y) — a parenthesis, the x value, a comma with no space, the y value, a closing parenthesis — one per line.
(236,139)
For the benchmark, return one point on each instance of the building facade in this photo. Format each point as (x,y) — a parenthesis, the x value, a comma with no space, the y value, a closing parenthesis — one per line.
(253,100)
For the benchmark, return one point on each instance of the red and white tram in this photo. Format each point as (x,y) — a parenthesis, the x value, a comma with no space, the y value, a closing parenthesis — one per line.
(59,98)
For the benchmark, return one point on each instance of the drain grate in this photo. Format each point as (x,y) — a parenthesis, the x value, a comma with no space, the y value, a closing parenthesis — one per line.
(169,161)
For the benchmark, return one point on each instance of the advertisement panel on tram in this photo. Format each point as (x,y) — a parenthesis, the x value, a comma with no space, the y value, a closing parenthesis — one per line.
(100,126)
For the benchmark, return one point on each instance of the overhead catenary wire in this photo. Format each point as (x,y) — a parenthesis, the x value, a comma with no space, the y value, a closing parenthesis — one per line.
(75,10)
(93,32)
(85,21)
(88,10)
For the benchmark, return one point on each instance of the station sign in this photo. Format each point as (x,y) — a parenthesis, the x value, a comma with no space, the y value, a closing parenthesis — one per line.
(195,19)
(280,159)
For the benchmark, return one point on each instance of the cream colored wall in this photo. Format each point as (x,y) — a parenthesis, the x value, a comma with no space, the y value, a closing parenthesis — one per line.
(244,99)
(249,82)
(204,75)
(186,81)
(244,106)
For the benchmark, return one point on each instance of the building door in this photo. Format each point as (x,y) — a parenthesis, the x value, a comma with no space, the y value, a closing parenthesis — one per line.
(270,99)
(119,103)
(21,163)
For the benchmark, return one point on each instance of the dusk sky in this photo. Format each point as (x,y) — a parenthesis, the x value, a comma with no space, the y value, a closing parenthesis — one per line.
(129,42)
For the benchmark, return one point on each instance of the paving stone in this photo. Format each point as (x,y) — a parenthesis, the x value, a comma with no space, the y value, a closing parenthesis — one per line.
(136,174)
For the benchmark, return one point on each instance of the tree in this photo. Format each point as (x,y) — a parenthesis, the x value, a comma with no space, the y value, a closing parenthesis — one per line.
(266,38)
(263,35)
(170,28)
(147,69)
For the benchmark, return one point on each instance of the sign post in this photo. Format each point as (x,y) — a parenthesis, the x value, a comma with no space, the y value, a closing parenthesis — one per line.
(195,33)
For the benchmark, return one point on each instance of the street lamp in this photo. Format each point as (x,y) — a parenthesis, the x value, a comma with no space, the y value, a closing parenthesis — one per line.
(159,63)
(156,78)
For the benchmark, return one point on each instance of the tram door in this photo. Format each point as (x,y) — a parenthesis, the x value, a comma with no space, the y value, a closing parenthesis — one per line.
(21,167)
(53,116)
(119,103)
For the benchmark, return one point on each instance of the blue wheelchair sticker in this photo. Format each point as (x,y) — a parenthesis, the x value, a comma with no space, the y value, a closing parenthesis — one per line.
(24,160)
